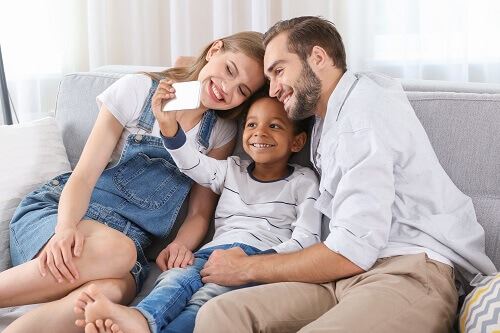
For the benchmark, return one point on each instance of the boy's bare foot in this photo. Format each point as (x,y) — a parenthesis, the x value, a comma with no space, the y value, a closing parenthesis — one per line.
(102,327)
(97,307)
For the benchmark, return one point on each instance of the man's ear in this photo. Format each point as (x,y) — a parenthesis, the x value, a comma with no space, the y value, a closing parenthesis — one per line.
(216,47)
(298,142)
(318,57)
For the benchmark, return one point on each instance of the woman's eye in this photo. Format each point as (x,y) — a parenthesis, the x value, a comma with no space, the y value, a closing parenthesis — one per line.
(228,69)
(241,92)
(278,71)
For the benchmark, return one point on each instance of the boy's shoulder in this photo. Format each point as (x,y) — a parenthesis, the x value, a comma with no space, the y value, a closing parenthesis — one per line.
(302,172)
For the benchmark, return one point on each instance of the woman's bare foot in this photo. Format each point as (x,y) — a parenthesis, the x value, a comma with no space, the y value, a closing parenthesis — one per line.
(102,327)
(99,310)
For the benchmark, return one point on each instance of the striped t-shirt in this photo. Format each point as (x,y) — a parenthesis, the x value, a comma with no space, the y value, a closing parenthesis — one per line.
(277,214)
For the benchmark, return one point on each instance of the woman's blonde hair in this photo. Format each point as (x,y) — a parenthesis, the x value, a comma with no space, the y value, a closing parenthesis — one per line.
(246,42)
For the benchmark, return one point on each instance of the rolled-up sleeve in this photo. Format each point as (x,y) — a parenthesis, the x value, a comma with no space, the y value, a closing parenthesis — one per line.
(361,181)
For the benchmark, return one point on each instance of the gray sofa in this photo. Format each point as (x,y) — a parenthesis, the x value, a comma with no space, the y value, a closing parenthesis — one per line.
(462,121)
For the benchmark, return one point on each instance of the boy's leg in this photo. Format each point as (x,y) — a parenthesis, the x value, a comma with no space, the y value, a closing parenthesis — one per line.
(58,316)
(173,290)
(184,322)
(400,294)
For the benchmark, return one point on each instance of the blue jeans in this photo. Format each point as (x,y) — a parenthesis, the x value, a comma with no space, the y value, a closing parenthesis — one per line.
(179,293)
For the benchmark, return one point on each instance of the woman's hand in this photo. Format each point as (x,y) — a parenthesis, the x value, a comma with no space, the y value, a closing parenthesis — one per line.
(173,256)
(166,120)
(58,255)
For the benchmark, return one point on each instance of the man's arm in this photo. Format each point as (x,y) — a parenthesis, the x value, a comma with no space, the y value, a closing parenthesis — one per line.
(315,264)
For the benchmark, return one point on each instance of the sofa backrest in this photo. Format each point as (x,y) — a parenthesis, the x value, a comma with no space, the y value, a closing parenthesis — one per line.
(461,120)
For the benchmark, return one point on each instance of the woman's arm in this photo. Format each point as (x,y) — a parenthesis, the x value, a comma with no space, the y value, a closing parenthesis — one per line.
(202,202)
(75,198)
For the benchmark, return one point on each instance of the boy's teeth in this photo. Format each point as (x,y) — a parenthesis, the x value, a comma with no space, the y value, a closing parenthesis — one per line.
(261,145)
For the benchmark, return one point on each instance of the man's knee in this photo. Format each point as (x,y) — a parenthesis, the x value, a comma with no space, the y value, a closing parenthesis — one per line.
(217,314)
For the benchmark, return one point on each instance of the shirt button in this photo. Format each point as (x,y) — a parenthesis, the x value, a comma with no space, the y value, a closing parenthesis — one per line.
(138,138)
(55,182)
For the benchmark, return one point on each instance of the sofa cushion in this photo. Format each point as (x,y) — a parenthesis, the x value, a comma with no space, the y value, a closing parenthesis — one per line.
(462,128)
(481,309)
(76,108)
(32,153)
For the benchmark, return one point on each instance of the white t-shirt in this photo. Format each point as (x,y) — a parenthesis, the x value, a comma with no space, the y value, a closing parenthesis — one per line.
(276,214)
(125,99)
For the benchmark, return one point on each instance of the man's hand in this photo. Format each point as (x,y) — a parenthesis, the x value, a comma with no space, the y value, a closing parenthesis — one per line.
(227,268)
(175,255)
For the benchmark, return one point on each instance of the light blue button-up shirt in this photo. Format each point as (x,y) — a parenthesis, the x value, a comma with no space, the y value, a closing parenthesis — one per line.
(382,186)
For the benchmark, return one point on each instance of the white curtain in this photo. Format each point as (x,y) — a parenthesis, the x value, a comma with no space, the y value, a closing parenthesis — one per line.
(418,39)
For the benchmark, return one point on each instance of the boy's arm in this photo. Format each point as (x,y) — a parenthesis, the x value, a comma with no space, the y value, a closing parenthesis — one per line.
(204,170)
(307,226)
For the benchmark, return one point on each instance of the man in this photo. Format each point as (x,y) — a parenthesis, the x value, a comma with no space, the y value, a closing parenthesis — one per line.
(399,228)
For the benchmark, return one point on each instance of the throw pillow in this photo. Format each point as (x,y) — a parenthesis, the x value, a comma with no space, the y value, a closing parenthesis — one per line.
(32,153)
(481,309)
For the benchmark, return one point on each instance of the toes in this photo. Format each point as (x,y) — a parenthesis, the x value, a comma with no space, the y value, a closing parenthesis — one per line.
(94,292)
(91,328)
(111,326)
(108,323)
(115,329)
(99,323)
(80,323)
(79,307)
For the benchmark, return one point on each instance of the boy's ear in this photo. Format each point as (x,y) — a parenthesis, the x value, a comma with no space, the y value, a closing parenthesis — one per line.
(298,142)
(216,47)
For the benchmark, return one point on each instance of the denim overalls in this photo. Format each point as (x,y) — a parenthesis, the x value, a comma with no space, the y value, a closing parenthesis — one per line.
(140,196)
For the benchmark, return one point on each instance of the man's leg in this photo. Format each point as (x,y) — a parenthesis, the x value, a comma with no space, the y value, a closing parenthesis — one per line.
(400,294)
(277,307)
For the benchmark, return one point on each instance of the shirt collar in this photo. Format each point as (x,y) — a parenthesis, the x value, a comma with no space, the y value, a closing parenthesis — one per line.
(339,96)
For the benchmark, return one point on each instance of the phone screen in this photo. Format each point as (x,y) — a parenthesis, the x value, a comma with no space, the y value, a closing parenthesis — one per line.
(187,96)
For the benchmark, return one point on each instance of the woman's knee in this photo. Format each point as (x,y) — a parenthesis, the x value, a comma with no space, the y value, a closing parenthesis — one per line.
(110,249)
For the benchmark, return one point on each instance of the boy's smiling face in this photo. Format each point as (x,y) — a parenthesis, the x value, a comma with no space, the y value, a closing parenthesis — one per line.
(269,135)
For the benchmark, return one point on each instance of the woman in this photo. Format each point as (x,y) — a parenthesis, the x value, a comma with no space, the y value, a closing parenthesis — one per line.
(93,225)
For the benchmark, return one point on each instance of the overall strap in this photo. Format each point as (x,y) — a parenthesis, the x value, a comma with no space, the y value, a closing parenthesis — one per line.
(207,124)
(147,119)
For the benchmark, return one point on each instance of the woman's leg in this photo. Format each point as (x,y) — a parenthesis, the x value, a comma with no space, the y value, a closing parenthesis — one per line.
(107,254)
(58,316)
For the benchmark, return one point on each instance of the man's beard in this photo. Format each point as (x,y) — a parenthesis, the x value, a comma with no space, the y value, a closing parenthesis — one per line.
(307,94)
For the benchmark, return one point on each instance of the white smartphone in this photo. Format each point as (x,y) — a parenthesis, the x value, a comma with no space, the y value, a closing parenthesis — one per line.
(187,96)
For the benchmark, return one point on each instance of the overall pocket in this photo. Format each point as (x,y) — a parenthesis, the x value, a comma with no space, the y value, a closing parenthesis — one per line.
(147,182)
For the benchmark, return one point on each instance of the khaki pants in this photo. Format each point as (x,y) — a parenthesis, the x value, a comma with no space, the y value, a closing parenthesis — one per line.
(408,293)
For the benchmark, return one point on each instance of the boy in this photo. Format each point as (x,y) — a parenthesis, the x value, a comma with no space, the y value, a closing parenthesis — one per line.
(266,205)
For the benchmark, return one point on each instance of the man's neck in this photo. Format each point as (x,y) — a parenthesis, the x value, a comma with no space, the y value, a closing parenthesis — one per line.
(329,82)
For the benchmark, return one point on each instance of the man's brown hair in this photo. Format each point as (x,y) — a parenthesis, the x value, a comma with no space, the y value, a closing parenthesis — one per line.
(305,32)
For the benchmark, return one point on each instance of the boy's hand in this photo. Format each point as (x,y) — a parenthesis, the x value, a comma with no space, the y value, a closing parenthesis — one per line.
(166,120)
(173,256)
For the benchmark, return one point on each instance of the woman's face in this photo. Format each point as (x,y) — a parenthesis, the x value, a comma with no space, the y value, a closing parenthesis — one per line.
(228,78)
